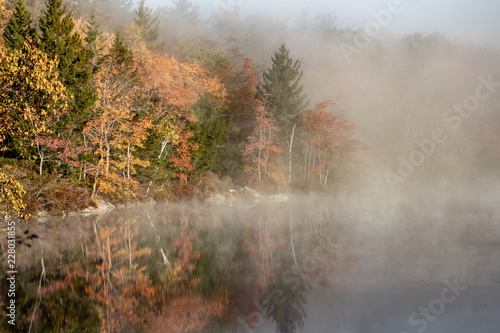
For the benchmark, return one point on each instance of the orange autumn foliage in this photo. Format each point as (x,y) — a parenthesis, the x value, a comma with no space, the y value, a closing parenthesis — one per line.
(327,140)
(261,149)
(114,134)
(176,85)
(172,87)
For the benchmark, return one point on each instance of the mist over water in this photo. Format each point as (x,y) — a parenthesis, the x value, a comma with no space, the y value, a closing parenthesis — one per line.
(403,252)
(356,262)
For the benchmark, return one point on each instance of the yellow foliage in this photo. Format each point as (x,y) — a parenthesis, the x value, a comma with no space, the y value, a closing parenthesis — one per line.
(133,34)
(114,134)
(30,95)
(12,194)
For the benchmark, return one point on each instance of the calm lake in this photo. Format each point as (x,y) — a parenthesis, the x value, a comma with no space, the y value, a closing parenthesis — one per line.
(356,263)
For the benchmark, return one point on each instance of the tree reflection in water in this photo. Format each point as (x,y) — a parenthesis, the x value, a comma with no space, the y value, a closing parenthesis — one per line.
(176,268)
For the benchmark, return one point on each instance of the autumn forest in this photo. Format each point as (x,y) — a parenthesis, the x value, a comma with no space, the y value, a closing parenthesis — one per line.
(163,111)
(121,115)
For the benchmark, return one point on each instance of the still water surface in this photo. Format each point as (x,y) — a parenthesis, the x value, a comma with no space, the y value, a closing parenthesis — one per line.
(354,264)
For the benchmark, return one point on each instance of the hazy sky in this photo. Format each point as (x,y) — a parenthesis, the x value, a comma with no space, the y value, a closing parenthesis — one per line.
(464,20)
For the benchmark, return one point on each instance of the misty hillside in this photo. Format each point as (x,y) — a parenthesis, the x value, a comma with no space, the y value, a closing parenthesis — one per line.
(396,89)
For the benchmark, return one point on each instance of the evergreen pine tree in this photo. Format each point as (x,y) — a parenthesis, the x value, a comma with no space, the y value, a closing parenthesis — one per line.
(122,58)
(18,28)
(93,41)
(59,41)
(185,10)
(149,26)
(283,93)
(282,90)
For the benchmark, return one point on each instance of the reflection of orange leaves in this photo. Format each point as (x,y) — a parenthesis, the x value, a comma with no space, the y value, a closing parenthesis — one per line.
(120,286)
(263,244)
(185,257)
(189,313)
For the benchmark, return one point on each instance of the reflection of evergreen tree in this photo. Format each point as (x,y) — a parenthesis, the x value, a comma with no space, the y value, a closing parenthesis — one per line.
(286,300)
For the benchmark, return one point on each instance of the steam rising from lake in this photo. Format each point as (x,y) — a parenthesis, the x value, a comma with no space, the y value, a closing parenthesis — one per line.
(370,261)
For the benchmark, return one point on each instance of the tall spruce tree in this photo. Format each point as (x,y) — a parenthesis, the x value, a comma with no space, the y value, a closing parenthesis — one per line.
(185,10)
(283,93)
(282,90)
(19,27)
(149,25)
(122,58)
(93,41)
(59,41)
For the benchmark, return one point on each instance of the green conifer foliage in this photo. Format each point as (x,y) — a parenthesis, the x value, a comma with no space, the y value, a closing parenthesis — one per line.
(18,28)
(93,40)
(149,26)
(282,90)
(59,41)
(121,57)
